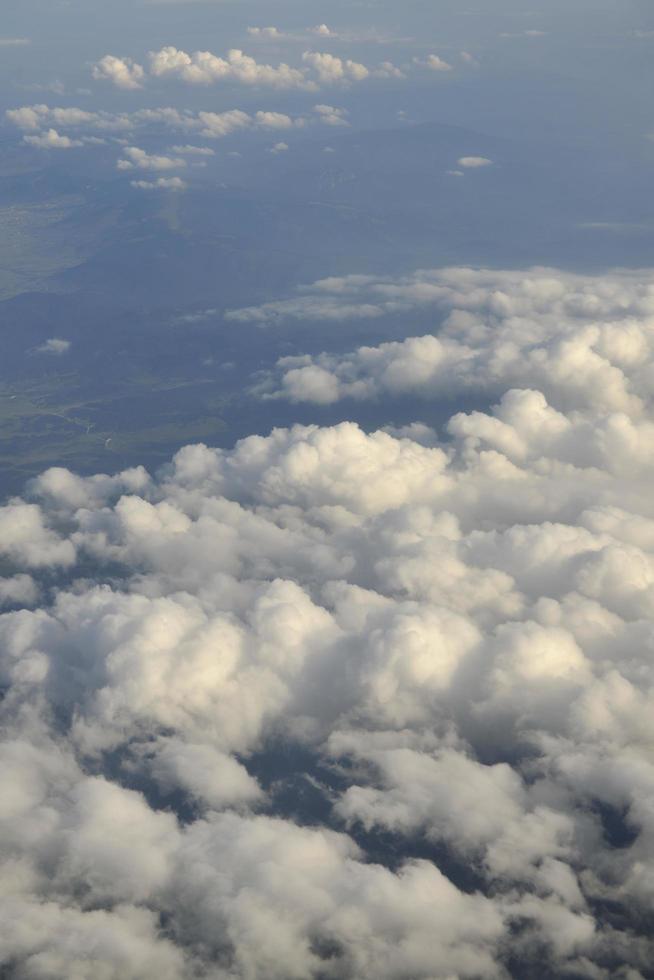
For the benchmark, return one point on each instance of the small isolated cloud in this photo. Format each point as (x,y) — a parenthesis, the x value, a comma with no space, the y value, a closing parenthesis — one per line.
(121,72)
(51,140)
(267,33)
(55,345)
(331,116)
(274,120)
(455,173)
(279,148)
(474,163)
(193,151)
(333,70)
(469,59)
(433,63)
(388,70)
(162,183)
(137,159)
(14,42)
(215,125)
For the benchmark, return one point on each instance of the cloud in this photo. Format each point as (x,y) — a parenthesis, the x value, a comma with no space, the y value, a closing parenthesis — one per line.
(204,68)
(331,69)
(583,341)
(210,125)
(14,42)
(321,31)
(215,125)
(474,163)
(193,151)
(121,72)
(274,120)
(30,118)
(51,140)
(279,148)
(343,703)
(388,70)
(161,183)
(331,116)
(433,63)
(137,159)
(266,33)
(18,590)
(55,345)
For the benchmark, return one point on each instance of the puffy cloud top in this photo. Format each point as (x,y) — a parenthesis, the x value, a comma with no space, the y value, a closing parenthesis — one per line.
(446,639)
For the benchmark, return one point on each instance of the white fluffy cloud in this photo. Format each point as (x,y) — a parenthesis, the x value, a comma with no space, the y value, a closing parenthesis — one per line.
(136,159)
(331,116)
(122,72)
(205,68)
(585,342)
(434,63)
(447,639)
(330,69)
(31,120)
(51,140)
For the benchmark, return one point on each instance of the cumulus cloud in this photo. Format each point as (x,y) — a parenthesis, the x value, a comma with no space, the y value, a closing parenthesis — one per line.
(335,703)
(136,159)
(35,117)
(267,33)
(210,125)
(433,62)
(585,342)
(388,70)
(193,151)
(321,31)
(121,72)
(331,69)
(474,163)
(51,140)
(331,116)
(161,183)
(205,68)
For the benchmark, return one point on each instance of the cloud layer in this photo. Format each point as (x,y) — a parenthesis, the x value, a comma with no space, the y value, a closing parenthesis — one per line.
(451,635)
(205,68)
(38,122)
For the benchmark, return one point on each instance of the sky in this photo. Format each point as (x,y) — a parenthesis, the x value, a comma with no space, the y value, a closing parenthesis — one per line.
(326,525)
